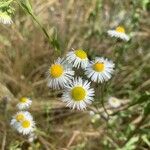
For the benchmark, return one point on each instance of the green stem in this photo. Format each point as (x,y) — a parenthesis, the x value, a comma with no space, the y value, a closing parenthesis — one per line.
(29,11)
(102,99)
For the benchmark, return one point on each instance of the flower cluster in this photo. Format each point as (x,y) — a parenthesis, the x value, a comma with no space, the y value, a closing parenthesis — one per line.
(23,121)
(78,92)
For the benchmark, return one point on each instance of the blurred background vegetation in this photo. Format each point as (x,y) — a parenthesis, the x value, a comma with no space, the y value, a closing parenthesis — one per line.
(26,53)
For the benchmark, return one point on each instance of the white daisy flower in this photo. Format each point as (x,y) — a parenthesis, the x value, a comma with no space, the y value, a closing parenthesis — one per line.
(26,126)
(19,117)
(59,74)
(24,103)
(114,102)
(78,58)
(78,94)
(100,70)
(5,18)
(119,32)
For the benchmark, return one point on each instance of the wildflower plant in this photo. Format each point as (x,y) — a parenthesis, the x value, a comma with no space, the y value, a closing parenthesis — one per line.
(59,74)
(24,103)
(119,32)
(78,94)
(78,91)
(78,58)
(100,70)
(23,121)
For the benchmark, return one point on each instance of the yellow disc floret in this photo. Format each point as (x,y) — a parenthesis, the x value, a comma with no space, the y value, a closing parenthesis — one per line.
(120,29)
(20,117)
(23,100)
(98,67)
(26,124)
(56,70)
(78,93)
(81,54)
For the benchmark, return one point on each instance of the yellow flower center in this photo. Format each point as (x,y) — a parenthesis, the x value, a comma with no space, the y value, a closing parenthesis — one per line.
(23,100)
(78,93)
(98,67)
(56,70)
(81,54)
(26,124)
(120,29)
(20,117)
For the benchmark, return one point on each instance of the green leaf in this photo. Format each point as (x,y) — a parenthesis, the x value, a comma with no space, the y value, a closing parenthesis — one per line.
(27,5)
(55,41)
(146,140)
(143,98)
(145,3)
(131,144)
(5,4)
(147,109)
